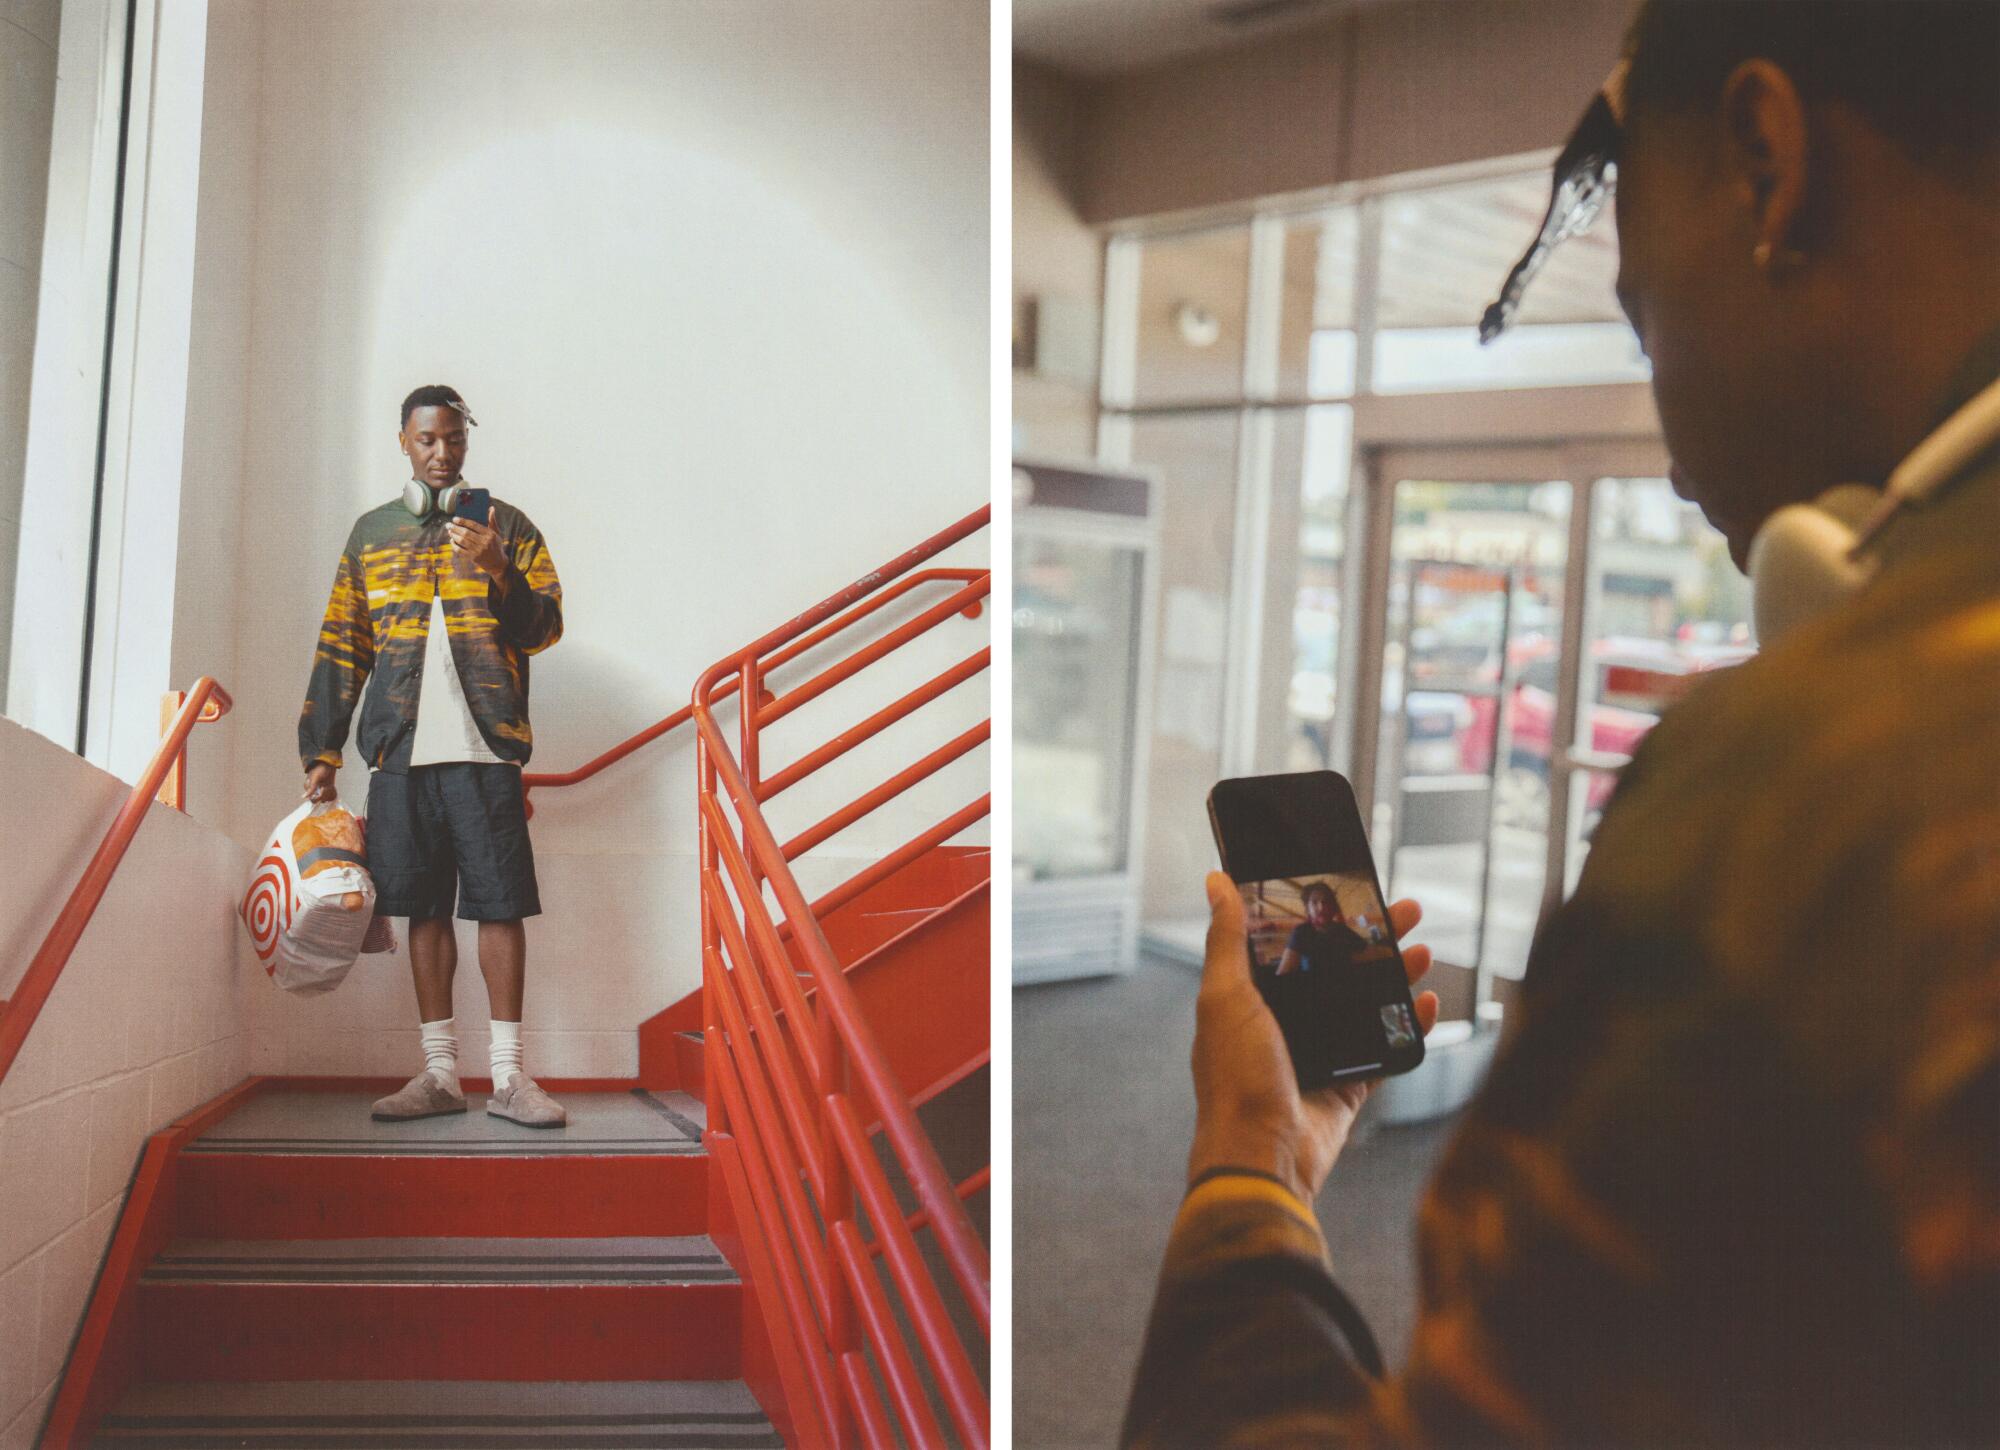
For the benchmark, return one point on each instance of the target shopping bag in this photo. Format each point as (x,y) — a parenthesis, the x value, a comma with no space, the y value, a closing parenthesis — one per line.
(311,903)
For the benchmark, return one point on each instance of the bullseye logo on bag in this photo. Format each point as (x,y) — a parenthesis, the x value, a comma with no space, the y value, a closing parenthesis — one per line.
(267,908)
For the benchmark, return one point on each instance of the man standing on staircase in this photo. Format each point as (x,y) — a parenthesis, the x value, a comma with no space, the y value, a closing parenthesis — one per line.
(443,612)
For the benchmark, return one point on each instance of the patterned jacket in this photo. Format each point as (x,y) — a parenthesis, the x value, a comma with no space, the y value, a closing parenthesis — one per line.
(1735,1176)
(378,618)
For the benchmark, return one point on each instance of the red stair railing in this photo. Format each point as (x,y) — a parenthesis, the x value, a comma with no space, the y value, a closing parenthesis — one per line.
(206,701)
(798,1081)
(546,780)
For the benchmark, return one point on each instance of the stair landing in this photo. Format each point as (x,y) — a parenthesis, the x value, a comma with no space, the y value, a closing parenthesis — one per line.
(328,1122)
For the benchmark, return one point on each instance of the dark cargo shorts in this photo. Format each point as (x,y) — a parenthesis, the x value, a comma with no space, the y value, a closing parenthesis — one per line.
(449,832)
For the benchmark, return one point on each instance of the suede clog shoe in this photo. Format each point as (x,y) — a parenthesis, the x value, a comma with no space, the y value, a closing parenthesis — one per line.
(423,1096)
(525,1103)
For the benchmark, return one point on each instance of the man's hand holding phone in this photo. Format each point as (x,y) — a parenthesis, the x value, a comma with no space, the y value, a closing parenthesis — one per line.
(1249,1112)
(479,544)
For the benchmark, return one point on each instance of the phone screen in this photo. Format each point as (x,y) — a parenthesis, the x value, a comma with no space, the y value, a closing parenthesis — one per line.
(473,504)
(1321,948)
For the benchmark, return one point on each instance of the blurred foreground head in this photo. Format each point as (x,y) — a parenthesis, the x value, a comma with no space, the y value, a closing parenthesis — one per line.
(1809,233)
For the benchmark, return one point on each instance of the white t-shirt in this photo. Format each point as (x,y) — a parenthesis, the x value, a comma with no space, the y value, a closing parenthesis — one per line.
(446,730)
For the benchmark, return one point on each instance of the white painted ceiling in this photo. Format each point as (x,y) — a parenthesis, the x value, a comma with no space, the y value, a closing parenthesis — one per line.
(1103,37)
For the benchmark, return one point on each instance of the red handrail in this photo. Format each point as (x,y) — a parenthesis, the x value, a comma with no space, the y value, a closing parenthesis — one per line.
(532,780)
(206,701)
(784,1121)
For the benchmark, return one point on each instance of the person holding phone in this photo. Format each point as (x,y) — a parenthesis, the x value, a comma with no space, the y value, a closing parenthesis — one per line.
(440,598)
(1734,1176)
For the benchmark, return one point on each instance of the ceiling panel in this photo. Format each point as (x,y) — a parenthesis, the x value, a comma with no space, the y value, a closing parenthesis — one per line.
(1105,37)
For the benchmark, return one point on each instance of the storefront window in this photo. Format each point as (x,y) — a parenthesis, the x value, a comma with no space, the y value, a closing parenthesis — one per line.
(1316,342)
(1194,455)
(1666,606)
(1324,449)
(1443,254)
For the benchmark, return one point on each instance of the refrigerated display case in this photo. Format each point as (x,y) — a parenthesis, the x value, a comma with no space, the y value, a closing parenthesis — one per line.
(1085,558)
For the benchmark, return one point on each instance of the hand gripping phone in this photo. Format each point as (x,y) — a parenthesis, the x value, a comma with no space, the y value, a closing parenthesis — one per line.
(1322,951)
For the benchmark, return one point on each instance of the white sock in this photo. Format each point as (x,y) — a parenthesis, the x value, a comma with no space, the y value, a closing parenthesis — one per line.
(506,1053)
(440,1040)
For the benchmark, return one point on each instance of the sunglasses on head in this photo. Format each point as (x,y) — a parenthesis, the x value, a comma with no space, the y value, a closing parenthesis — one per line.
(1586,173)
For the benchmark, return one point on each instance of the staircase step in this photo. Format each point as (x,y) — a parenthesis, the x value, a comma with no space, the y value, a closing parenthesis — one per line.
(431,1308)
(279,1196)
(411,1414)
(295,1162)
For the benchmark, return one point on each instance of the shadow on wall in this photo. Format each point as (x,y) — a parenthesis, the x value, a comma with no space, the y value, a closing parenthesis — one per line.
(673,468)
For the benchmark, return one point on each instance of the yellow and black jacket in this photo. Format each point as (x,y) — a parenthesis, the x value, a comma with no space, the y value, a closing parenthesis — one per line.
(379,617)
(1735,1176)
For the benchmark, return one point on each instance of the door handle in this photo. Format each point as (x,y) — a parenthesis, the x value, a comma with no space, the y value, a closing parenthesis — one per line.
(1608,761)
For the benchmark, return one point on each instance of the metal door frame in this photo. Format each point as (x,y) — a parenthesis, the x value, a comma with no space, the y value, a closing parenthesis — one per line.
(1379,467)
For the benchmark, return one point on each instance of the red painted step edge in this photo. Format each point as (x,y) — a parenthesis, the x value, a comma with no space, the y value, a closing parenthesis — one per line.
(688,1062)
(287,1196)
(208,1331)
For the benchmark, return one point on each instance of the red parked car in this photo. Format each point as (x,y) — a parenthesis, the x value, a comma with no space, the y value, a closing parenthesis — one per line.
(1634,680)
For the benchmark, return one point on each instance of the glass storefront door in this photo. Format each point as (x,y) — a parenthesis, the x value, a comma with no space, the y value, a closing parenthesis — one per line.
(1527,614)
(1472,615)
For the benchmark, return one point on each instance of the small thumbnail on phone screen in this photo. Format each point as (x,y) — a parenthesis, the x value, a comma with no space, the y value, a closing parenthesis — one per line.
(1324,940)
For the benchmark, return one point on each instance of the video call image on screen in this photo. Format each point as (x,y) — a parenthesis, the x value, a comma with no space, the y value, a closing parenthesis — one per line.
(1323,957)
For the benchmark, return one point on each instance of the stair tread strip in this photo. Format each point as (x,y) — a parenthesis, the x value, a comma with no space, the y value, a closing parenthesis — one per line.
(675,1111)
(400,1437)
(686,1259)
(497,1148)
(609,1415)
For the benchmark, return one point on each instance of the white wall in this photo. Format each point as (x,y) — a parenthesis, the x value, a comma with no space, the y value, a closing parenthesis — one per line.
(713,278)
(145,1024)
(207,611)
(1057,257)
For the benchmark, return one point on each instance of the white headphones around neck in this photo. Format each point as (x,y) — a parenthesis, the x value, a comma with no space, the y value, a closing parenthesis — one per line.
(1809,556)
(421,500)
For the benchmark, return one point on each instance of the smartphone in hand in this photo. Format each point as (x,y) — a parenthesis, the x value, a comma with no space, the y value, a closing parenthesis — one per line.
(1322,951)
(473,505)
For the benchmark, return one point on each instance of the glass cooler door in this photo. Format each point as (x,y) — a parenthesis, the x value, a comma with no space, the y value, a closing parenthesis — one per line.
(1081,580)
(1076,622)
